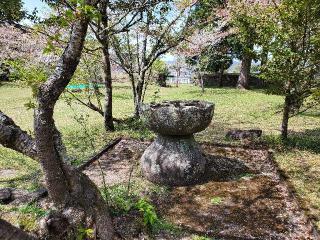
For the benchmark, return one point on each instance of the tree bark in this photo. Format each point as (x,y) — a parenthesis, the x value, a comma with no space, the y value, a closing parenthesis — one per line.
(104,39)
(71,191)
(10,232)
(221,76)
(12,136)
(201,82)
(264,57)
(108,117)
(138,95)
(285,117)
(243,81)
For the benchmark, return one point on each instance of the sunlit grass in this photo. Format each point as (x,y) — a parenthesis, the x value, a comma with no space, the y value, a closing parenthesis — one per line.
(299,157)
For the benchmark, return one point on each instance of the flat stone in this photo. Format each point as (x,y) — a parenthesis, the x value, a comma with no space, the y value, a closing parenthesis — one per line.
(237,134)
(23,197)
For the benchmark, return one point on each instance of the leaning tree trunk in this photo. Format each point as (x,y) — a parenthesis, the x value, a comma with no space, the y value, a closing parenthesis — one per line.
(285,117)
(108,118)
(243,80)
(74,194)
(13,137)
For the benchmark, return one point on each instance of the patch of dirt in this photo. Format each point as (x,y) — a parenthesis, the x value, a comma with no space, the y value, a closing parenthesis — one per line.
(248,206)
(117,164)
(8,173)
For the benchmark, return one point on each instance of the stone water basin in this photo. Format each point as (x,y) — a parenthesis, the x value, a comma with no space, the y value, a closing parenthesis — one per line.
(178,118)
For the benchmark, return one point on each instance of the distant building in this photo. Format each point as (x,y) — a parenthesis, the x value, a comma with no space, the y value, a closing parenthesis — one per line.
(179,73)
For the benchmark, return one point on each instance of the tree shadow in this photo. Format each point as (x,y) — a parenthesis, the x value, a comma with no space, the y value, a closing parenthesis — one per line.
(122,96)
(307,140)
(235,204)
(216,91)
(254,208)
(224,169)
(122,87)
(310,114)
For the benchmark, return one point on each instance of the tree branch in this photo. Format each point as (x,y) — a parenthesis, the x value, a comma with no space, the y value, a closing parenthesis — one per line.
(13,137)
(89,104)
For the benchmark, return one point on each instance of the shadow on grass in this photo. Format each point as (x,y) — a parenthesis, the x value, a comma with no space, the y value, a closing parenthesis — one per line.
(122,87)
(215,90)
(308,140)
(310,114)
(122,96)
(133,125)
(32,180)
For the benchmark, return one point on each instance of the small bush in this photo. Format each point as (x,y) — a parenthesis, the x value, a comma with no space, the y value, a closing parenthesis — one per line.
(118,199)
(150,217)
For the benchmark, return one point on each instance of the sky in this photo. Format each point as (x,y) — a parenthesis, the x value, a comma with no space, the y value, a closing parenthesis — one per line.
(32,4)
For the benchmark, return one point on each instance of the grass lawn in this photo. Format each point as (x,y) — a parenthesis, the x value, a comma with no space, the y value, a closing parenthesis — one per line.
(83,131)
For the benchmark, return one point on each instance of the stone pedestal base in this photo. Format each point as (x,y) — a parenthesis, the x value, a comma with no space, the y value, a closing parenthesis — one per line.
(173,161)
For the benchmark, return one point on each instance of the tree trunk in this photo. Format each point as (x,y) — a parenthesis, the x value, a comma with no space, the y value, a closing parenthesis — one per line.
(201,82)
(221,76)
(10,232)
(72,192)
(177,77)
(264,57)
(108,118)
(285,117)
(137,108)
(105,42)
(13,137)
(243,81)
(138,97)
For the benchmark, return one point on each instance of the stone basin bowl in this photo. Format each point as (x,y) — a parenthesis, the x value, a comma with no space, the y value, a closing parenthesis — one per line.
(178,118)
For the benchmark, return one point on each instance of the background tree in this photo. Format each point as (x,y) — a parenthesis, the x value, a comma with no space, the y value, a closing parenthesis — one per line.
(22,56)
(233,17)
(115,17)
(161,28)
(290,30)
(245,26)
(212,60)
(11,11)
(160,72)
(205,50)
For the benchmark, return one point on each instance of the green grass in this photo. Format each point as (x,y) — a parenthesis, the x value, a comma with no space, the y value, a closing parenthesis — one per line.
(24,216)
(299,157)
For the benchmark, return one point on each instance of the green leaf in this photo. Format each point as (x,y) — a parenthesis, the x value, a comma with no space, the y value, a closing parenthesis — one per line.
(216,200)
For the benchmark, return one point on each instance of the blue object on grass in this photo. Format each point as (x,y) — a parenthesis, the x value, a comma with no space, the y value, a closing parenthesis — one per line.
(82,86)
